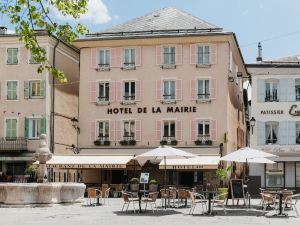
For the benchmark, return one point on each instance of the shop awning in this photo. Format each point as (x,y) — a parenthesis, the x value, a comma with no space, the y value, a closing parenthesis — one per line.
(89,161)
(196,163)
(16,158)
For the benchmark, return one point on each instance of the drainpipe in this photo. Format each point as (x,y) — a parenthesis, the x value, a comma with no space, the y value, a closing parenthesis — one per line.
(52,101)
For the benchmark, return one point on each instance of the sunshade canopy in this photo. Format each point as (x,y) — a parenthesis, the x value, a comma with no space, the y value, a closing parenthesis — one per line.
(199,162)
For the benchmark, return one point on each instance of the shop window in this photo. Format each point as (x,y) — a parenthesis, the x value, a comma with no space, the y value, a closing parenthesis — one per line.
(203,55)
(271,90)
(271,132)
(169,56)
(275,174)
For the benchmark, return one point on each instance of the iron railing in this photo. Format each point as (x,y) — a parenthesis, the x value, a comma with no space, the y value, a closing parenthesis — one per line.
(13,144)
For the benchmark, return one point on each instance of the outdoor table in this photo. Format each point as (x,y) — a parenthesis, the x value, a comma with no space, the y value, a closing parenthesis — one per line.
(280,194)
(140,194)
(210,197)
(98,199)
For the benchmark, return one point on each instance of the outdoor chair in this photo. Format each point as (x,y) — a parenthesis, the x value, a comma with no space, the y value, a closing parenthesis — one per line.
(286,197)
(197,198)
(151,200)
(219,200)
(92,195)
(172,195)
(182,197)
(127,197)
(268,200)
(164,196)
(105,194)
(292,201)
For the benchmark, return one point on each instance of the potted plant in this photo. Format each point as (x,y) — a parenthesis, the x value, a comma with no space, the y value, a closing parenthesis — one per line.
(153,185)
(106,142)
(97,142)
(208,142)
(132,142)
(174,142)
(123,142)
(163,142)
(134,184)
(221,173)
(31,170)
(198,142)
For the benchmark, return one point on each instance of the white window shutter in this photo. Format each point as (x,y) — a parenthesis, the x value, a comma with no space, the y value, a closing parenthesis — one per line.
(283,90)
(292,133)
(261,133)
(282,133)
(261,90)
(291,95)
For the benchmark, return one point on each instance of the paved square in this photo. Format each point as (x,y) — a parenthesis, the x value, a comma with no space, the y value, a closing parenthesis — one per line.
(110,214)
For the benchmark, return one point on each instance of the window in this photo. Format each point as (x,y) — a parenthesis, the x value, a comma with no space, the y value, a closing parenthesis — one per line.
(169,55)
(129,91)
(35,128)
(275,175)
(297,164)
(271,132)
(298,132)
(203,55)
(203,130)
(12,56)
(203,89)
(12,90)
(103,92)
(129,129)
(104,58)
(169,90)
(129,57)
(11,128)
(35,89)
(169,129)
(103,130)
(297,89)
(271,91)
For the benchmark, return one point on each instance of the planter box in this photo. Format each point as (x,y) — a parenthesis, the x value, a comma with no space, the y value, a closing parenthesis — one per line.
(153,187)
(134,187)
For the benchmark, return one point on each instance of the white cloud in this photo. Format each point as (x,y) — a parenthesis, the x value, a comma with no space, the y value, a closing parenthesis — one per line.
(9,31)
(97,13)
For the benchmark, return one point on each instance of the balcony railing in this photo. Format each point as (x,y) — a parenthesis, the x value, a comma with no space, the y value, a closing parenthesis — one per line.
(13,144)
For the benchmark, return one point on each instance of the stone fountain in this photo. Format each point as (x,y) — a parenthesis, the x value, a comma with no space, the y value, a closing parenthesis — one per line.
(42,192)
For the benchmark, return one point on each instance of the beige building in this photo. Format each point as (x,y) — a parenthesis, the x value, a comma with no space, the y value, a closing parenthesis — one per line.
(166,78)
(32,103)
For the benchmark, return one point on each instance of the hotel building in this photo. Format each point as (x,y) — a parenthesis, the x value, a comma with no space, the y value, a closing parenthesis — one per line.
(275,121)
(32,104)
(166,78)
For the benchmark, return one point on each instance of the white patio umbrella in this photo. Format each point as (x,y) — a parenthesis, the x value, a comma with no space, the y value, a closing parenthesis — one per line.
(162,153)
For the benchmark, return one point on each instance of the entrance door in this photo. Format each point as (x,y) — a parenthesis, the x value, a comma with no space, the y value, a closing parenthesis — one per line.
(187,178)
(117,176)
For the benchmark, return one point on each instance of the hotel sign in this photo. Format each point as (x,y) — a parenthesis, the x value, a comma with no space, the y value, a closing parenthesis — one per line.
(187,167)
(169,109)
(86,166)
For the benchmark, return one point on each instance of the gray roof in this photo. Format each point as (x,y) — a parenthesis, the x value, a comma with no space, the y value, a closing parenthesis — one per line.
(164,19)
(293,58)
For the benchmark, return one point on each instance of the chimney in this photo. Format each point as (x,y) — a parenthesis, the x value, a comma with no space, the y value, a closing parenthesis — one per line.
(259,56)
(3,30)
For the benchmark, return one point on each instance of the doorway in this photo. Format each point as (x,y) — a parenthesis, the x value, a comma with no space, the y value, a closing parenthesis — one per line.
(187,178)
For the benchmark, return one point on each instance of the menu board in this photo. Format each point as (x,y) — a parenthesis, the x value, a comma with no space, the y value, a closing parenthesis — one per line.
(237,189)
(144,179)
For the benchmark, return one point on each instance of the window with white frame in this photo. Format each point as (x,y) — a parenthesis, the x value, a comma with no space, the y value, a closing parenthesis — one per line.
(104,58)
(128,129)
(271,90)
(129,91)
(169,56)
(271,132)
(11,126)
(203,89)
(35,127)
(12,56)
(203,130)
(203,55)
(129,57)
(12,90)
(275,175)
(103,130)
(169,89)
(103,95)
(35,88)
(169,129)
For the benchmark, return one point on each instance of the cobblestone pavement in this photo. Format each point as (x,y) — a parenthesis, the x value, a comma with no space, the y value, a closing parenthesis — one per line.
(111,214)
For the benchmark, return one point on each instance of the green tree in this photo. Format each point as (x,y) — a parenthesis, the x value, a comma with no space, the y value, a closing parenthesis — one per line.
(29,16)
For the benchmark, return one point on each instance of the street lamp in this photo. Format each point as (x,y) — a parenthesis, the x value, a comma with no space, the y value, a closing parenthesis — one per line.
(252,124)
(75,124)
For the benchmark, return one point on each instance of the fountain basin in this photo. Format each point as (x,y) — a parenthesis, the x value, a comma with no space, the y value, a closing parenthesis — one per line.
(41,193)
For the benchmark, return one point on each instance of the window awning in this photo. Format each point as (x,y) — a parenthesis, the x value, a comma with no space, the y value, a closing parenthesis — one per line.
(197,163)
(89,161)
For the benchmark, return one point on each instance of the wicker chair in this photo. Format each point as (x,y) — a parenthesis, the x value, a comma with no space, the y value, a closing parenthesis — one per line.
(292,201)
(182,197)
(219,200)
(267,200)
(197,198)
(93,194)
(164,196)
(127,197)
(151,200)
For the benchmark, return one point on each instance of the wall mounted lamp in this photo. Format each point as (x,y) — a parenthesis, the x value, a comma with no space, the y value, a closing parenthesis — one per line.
(252,123)
(239,74)
(75,124)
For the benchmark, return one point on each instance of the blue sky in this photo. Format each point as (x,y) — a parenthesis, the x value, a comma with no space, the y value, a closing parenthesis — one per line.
(275,23)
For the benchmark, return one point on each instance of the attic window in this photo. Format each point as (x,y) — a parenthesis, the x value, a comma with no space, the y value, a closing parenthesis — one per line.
(156,15)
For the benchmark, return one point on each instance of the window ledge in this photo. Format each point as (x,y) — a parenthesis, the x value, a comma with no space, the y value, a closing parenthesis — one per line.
(172,66)
(203,65)
(168,101)
(103,68)
(103,103)
(203,101)
(128,102)
(128,67)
